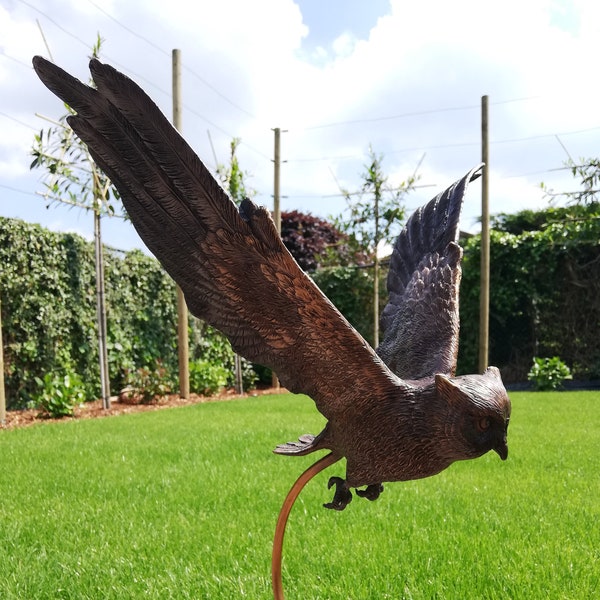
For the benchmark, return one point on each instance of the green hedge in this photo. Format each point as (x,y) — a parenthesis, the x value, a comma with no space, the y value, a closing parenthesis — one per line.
(47,286)
(351,290)
(544,299)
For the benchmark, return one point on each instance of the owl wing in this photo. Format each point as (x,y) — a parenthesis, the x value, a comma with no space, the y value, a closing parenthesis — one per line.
(231,264)
(420,321)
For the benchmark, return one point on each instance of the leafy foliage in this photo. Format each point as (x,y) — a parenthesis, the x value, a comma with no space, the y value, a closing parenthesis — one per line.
(376,211)
(49,314)
(587,170)
(232,177)
(548,373)
(552,217)
(149,383)
(142,315)
(59,394)
(207,378)
(43,329)
(544,290)
(211,346)
(314,242)
(71,175)
(351,291)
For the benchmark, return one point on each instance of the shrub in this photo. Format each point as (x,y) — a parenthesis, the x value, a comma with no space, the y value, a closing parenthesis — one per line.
(548,373)
(148,383)
(206,378)
(212,346)
(59,394)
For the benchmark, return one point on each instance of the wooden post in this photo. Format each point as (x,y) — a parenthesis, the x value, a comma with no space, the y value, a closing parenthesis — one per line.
(2,394)
(484,294)
(276,180)
(276,204)
(182,312)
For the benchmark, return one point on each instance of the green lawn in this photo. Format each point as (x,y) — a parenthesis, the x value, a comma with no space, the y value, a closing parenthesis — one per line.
(182,503)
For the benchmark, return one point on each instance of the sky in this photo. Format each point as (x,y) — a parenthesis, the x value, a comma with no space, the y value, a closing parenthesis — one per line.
(337,77)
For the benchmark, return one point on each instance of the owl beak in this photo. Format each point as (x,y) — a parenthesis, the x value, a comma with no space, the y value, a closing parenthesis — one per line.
(502,449)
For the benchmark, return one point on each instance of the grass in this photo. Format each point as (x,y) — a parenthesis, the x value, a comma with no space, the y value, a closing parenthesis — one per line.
(182,504)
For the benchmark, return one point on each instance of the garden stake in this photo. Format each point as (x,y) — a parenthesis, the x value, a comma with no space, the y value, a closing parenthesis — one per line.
(284,513)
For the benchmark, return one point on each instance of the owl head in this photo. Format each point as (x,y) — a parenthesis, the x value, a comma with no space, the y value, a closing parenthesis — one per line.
(478,413)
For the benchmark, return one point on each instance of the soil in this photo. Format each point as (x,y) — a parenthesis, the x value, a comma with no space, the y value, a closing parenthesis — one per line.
(120,406)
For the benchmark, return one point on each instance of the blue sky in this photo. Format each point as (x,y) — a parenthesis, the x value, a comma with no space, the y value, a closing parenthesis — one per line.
(327,20)
(337,76)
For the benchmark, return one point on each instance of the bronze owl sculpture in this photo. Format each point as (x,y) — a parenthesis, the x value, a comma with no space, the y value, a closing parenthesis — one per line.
(394,414)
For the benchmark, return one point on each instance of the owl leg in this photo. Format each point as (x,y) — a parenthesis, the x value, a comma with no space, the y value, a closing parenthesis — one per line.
(342,496)
(371,492)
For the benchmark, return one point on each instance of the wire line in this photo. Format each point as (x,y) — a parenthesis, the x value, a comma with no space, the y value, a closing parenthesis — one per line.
(415,113)
(166,53)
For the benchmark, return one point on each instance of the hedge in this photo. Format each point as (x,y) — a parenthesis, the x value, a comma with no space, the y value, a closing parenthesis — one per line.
(47,284)
(545,301)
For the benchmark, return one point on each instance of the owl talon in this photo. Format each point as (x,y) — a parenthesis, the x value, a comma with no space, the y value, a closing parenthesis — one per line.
(342,496)
(371,492)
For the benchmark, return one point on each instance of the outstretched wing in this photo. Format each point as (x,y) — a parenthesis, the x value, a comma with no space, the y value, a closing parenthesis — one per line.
(420,321)
(231,265)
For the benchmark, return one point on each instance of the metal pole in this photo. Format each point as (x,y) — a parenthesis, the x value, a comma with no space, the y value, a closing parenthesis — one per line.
(239,379)
(484,294)
(182,312)
(101,305)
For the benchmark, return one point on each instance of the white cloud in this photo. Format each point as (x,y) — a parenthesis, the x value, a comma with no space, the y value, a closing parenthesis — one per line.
(420,58)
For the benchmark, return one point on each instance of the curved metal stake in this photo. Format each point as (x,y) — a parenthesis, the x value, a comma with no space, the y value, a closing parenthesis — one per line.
(284,513)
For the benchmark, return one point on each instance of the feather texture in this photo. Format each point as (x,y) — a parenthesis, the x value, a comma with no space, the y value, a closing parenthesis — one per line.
(391,424)
(421,321)
(231,265)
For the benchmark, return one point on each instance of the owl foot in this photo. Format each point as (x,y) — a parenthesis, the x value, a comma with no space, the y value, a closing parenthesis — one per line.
(342,496)
(371,492)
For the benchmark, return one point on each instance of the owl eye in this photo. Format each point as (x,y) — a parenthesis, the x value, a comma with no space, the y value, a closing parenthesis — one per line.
(484,423)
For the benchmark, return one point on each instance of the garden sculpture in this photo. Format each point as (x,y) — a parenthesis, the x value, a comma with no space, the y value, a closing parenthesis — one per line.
(394,414)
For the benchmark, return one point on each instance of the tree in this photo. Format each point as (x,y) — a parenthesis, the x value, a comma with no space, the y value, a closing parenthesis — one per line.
(232,177)
(588,172)
(314,242)
(376,214)
(72,177)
